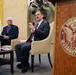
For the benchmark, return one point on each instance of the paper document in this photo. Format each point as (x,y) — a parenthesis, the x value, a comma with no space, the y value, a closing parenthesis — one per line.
(5,49)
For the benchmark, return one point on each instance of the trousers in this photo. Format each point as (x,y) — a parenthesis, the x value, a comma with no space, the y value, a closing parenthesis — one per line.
(4,41)
(22,52)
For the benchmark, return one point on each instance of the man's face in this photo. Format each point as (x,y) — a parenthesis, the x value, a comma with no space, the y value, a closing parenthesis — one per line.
(38,16)
(9,22)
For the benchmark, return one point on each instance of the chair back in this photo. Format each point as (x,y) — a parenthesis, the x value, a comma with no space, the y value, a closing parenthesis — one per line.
(49,38)
(51,30)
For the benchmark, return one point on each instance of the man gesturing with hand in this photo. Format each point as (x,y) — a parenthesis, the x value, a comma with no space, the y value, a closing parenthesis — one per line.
(38,32)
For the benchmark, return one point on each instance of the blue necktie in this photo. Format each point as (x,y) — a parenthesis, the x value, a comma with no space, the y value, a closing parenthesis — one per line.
(8,28)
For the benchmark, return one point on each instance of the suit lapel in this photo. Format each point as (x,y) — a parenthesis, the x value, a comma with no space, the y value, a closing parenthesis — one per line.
(41,25)
(6,29)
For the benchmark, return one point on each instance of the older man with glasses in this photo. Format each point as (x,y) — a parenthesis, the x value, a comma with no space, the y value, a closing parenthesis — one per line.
(9,32)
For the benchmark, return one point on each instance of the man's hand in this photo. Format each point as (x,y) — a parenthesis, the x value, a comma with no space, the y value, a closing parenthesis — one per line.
(6,37)
(31,27)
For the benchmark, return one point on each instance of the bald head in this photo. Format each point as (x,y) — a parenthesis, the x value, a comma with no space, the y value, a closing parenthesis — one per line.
(9,20)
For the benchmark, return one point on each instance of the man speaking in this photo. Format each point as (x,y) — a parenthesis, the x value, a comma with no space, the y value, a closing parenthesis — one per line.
(39,32)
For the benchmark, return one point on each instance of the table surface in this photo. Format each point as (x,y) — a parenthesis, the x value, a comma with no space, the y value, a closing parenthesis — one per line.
(10,61)
(6,51)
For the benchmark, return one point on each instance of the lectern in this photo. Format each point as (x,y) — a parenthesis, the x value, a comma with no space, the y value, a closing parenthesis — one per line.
(65,38)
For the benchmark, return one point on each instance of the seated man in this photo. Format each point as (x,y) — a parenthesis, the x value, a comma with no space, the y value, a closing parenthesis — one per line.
(9,32)
(39,32)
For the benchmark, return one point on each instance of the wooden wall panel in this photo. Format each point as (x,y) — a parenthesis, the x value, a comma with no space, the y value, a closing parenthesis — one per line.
(64,64)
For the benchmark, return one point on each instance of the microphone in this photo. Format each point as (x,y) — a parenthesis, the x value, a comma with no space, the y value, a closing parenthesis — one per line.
(33,23)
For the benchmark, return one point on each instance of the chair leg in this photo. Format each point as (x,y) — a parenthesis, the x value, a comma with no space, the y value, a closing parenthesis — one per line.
(12,62)
(32,63)
(49,59)
(3,55)
(39,58)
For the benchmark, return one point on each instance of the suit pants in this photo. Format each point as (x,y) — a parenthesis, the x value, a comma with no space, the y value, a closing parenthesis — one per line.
(5,41)
(22,52)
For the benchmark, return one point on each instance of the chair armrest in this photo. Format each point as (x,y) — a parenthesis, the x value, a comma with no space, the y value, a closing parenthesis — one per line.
(22,41)
(40,47)
(13,43)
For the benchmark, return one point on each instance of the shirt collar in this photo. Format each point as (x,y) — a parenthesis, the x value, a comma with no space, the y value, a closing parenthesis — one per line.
(40,22)
(9,25)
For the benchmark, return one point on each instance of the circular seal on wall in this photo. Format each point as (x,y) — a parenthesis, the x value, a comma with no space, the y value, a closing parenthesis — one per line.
(67,37)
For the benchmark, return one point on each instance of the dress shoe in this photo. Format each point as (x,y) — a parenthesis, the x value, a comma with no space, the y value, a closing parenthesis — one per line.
(25,69)
(19,66)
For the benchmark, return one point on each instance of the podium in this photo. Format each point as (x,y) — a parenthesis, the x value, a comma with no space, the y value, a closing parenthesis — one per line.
(65,38)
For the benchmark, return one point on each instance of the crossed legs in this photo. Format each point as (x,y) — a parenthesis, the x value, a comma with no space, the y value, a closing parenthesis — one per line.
(22,53)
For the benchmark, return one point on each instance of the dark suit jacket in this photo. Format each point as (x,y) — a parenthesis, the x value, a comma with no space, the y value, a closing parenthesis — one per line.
(42,32)
(13,32)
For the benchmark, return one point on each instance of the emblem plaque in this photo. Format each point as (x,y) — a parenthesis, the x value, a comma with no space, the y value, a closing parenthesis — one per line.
(67,36)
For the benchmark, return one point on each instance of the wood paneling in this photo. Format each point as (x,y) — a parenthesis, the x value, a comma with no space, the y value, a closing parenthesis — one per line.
(64,64)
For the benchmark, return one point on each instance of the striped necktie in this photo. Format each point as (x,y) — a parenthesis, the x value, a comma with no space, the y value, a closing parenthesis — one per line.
(32,34)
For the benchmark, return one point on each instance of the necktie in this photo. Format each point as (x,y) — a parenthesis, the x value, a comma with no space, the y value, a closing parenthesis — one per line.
(8,28)
(36,26)
(32,34)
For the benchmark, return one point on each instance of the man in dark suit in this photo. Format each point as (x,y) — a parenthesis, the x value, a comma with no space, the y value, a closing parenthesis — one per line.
(9,32)
(39,32)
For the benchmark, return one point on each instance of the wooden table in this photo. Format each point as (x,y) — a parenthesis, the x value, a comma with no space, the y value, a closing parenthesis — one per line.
(10,61)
